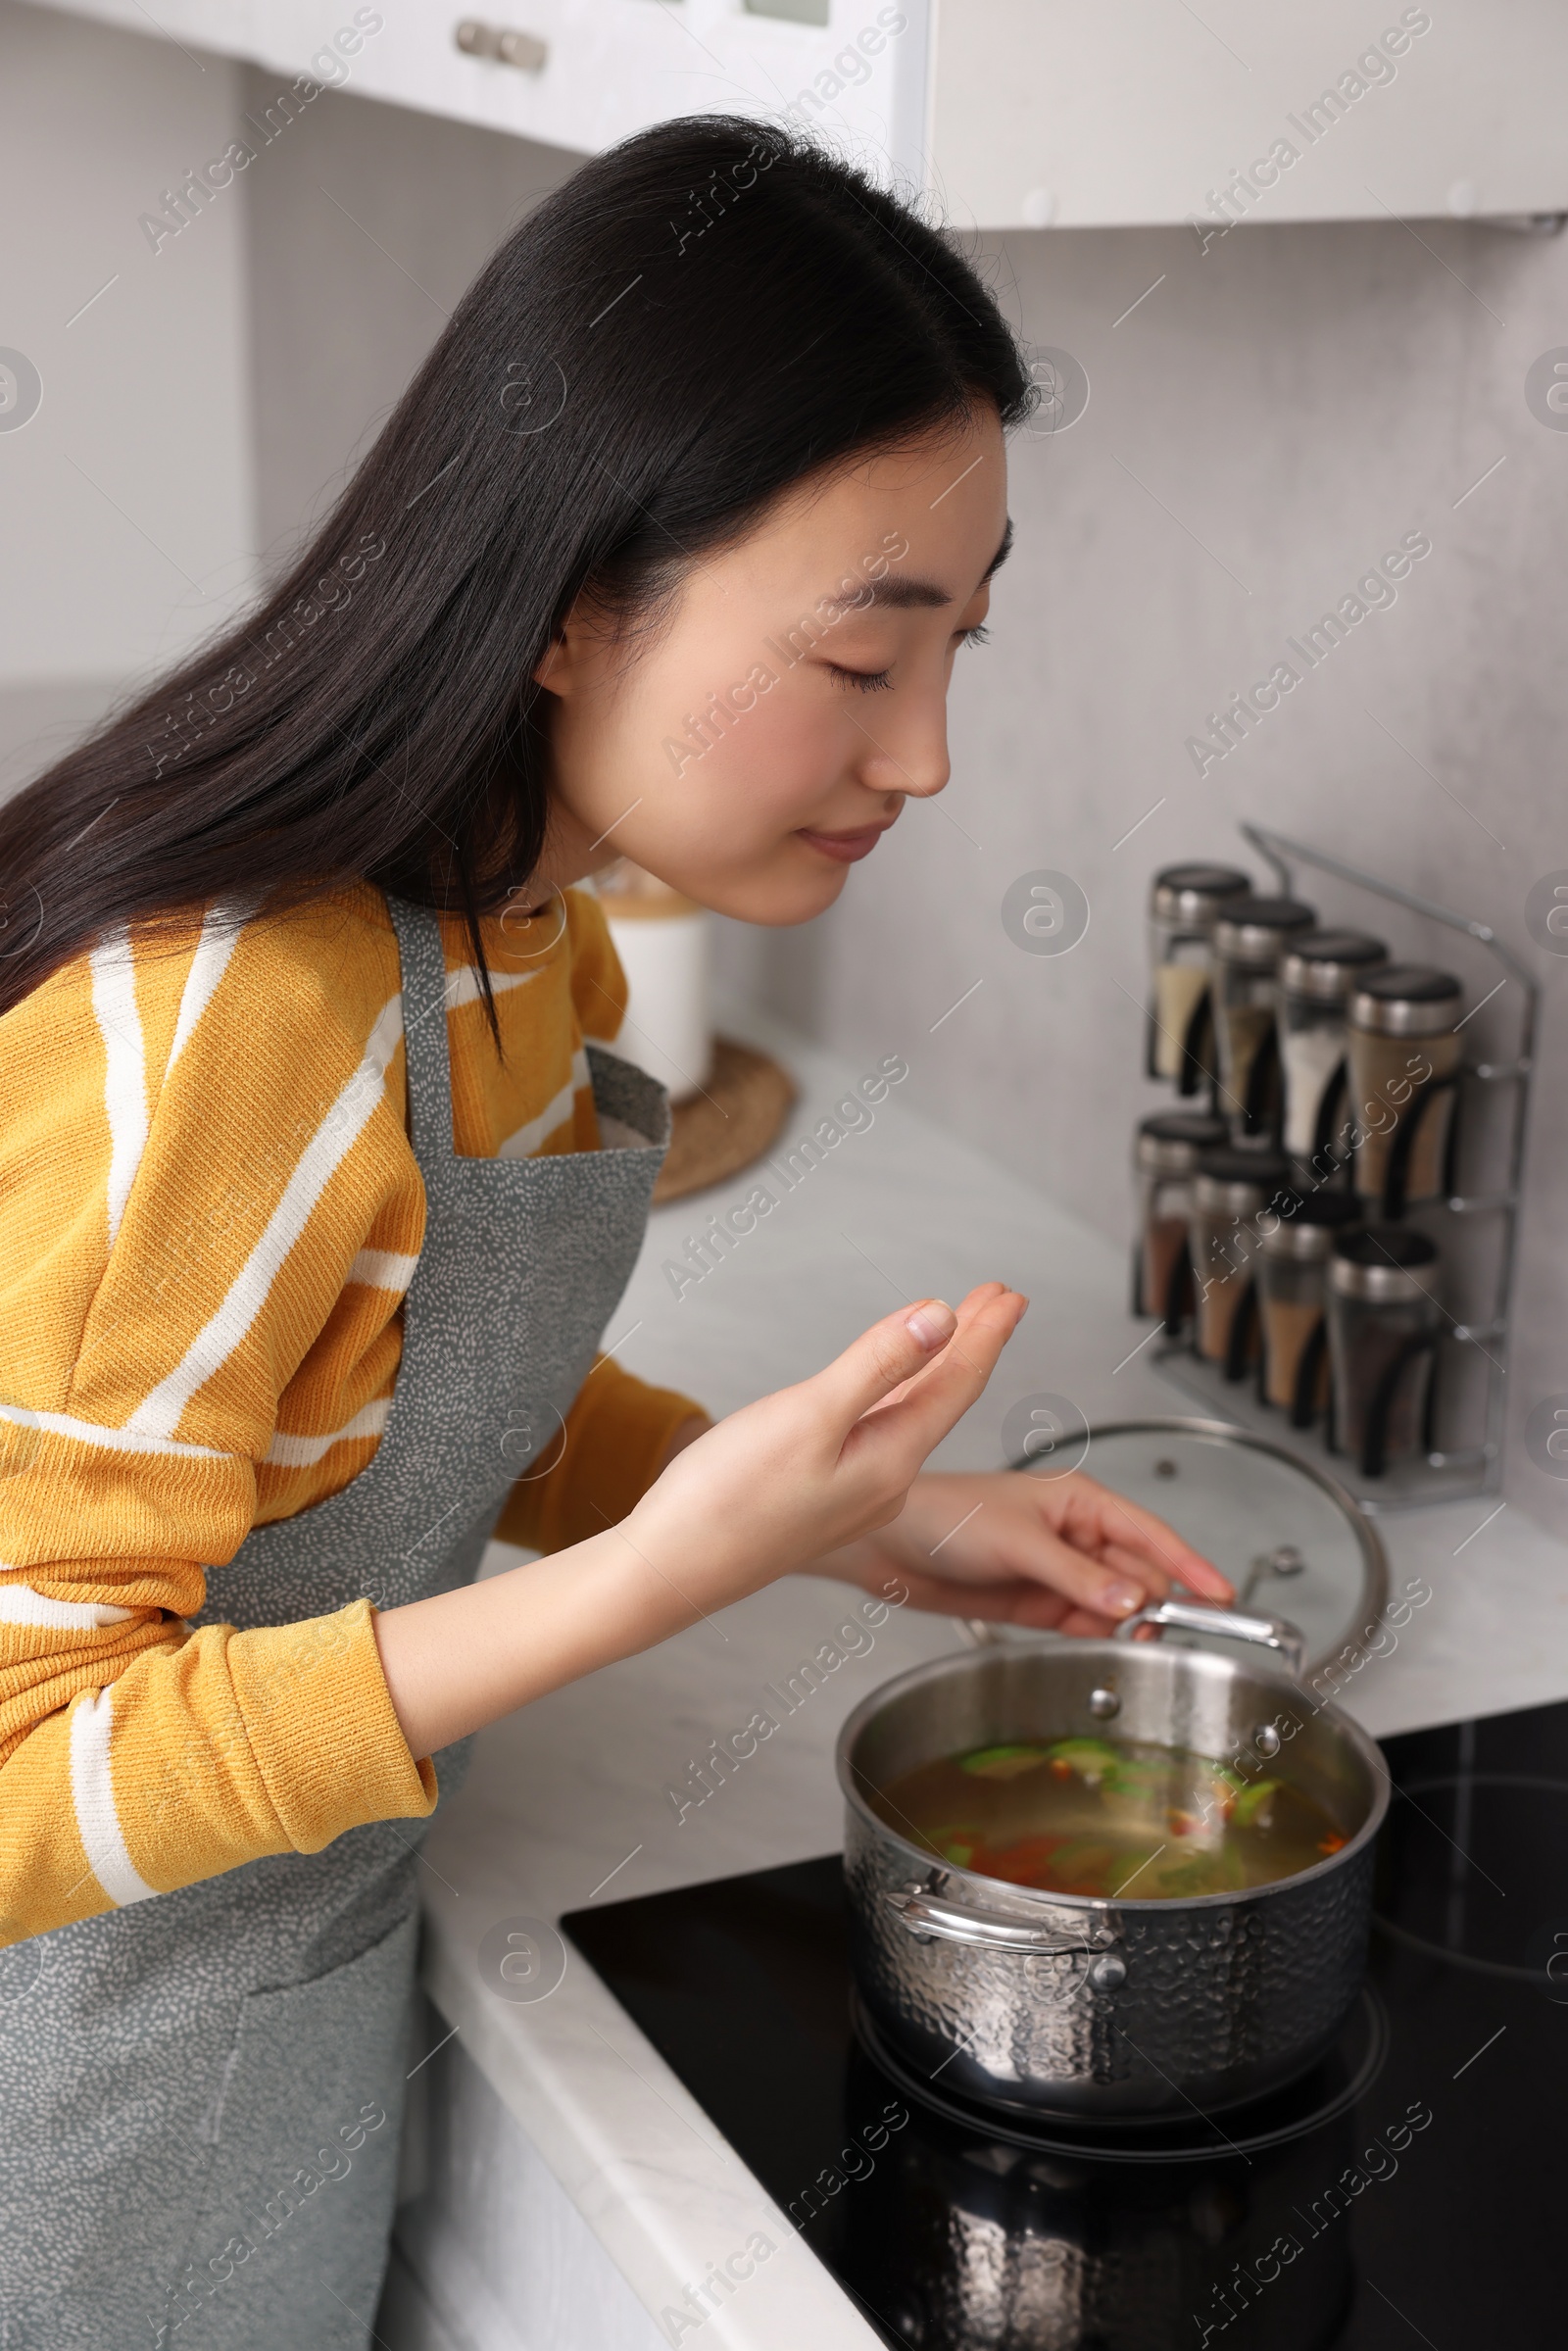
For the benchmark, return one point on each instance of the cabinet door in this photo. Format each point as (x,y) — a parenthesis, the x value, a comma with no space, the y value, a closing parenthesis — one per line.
(1084,113)
(610,67)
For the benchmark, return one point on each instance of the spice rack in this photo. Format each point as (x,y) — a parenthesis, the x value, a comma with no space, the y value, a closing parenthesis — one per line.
(1471,1354)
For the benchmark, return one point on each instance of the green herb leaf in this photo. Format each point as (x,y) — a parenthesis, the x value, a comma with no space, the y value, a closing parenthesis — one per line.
(1003,1763)
(1254,1803)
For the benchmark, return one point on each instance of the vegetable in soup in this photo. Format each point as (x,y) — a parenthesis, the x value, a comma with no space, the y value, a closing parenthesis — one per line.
(1107,1817)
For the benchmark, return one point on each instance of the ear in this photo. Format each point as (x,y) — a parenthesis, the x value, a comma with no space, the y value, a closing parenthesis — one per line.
(564,663)
(551,670)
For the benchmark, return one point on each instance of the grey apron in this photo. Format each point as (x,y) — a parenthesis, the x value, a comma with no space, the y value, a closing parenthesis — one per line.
(201,2095)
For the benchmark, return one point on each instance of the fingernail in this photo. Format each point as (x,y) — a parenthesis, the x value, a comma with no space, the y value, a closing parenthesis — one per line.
(932,1325)
(1122,1597)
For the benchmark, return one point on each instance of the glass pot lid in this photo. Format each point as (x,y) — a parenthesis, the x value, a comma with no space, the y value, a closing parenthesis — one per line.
(1292,1541)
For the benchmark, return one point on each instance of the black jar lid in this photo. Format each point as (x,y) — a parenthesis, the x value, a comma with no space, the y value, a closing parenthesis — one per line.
(1326,964)
(1407,999)
(1387,1264)
(1172,1142)
(1309,1223)
(1240,1181)
(1334,1209)
(1194,894)
(1253,930)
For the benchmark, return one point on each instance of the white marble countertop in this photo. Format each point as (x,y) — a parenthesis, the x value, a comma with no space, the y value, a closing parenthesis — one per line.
(567,1801)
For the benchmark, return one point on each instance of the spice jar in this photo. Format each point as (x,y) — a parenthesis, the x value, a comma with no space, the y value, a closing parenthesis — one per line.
(1183,906)
(1402,1037)
(1318,974)
(1293,1295)
(1168,1150)
(1234,1192)
(1383,1318)
(1250,938)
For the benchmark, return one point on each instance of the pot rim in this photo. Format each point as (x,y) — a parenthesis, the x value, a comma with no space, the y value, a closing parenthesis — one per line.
(1113,1653)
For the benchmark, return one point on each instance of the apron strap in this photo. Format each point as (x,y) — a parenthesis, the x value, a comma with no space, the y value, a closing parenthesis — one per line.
(425,1029)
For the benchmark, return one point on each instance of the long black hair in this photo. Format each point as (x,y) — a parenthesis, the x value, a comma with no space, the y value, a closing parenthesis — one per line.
(688,325)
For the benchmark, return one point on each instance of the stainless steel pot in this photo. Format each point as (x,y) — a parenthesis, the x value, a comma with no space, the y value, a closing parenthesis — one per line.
(1061,2004)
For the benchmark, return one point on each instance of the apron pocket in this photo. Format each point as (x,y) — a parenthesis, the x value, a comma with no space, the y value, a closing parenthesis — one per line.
(291,2242)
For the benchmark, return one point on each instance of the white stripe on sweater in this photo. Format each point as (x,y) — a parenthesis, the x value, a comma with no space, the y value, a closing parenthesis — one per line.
(383,1269)
(113,1004)
(303,1452)
(220,929)
(92,1791)
(158,1413)
(110,1441)
(20,1604)
(462,985)
(526,1141)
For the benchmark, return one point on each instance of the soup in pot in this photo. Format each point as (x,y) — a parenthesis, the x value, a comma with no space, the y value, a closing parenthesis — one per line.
(1107,1817)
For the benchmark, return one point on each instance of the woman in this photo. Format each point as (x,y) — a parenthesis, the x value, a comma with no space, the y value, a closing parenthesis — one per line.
(319,1190)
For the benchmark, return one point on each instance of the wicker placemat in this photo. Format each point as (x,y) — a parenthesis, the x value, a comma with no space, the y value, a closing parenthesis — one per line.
(733,1122)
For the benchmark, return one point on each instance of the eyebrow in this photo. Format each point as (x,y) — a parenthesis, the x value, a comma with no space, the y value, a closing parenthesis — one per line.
(901,593)
(1001,555)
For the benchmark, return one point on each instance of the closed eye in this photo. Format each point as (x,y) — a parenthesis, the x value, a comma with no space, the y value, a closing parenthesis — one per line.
(866,681)
(978,635)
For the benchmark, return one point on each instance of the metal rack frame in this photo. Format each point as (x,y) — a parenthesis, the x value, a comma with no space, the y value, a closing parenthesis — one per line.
(1479,1468)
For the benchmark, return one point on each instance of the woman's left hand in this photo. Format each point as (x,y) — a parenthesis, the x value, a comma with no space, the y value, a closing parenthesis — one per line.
(1063,1554)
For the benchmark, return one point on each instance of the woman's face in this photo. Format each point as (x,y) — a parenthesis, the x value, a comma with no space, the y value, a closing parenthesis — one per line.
(768,736)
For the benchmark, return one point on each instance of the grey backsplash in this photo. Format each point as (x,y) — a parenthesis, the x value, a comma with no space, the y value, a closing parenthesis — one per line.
(1268,421)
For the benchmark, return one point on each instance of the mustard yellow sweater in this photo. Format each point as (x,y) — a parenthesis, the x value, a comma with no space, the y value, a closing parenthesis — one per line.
(210,1211)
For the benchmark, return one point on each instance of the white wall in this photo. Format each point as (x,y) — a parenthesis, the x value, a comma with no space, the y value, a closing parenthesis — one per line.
(366,226)
(128,499)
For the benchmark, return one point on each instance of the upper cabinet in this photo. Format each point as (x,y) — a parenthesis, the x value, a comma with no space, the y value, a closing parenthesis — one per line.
(1016,113)
(1099,112)
(582,73)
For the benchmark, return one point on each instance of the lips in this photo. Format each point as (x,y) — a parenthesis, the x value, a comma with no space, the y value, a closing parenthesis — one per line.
(847,849)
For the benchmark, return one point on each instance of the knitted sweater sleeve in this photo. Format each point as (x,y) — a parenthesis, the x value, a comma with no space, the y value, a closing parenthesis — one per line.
(199,1145)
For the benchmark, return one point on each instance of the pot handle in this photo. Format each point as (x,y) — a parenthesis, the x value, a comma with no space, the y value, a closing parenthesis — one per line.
(1287,1641)
(933,1918)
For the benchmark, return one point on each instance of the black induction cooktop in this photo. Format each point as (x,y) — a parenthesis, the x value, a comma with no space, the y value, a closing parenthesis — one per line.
(1410,2192)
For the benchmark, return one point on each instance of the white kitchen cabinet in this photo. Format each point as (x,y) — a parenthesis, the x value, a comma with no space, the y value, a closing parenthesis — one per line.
(1016,113)
(610,67)
(1104,113)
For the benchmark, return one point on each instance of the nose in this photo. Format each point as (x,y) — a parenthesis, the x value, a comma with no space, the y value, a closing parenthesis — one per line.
(906,749)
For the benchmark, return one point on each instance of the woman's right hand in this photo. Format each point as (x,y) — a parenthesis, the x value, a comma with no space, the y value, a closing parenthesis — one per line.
(801,1472)
(774,1488)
